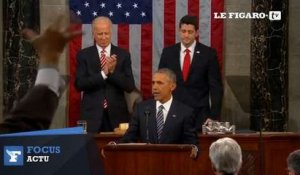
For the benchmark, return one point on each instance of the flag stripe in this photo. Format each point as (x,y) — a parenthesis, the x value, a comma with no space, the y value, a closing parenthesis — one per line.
(74,95)
(146,60)
(135,51)
(158,31)
(204,22)
(169,22)
(88,36)
(123,36)
(181,10)
(193,9)
(114,37)
(217,30)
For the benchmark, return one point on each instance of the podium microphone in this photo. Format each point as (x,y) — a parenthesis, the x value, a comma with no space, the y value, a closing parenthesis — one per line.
(147,114)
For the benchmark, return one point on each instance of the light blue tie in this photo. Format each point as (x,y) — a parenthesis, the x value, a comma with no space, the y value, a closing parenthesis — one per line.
(160,120)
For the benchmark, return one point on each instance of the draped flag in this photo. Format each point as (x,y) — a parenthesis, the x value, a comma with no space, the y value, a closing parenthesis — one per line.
(144,28)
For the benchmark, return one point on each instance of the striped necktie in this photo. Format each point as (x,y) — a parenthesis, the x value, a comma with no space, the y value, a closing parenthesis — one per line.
(160,121)
(102,58)
(103,61)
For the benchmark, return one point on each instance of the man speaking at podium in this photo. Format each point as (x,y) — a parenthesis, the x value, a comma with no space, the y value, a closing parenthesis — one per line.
(162,120)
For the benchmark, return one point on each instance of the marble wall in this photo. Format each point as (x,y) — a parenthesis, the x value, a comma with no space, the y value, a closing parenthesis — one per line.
(236,65)
(269,68)
(294,64)
(1,60)
(20,59)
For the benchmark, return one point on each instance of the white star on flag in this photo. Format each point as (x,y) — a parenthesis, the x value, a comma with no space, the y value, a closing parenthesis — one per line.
(127,14)
(102,5)
(119,5)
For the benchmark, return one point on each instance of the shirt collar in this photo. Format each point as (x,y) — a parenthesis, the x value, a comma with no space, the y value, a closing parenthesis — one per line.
(107,48)
(166,105)
(191,48)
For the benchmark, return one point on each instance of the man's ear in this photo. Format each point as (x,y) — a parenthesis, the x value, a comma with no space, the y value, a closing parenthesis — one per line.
(173,86)
(197,33)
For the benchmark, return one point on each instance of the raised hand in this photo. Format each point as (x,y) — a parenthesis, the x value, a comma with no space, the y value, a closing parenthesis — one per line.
(50,44)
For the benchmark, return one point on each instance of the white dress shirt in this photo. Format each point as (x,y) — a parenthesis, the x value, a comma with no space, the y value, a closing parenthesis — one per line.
(182,52)
(166,109)
(107,53)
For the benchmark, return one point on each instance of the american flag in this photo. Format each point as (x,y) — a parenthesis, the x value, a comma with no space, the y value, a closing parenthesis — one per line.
(144,28)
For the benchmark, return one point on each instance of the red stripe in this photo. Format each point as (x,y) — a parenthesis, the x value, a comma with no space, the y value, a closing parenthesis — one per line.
(193,9)
(123,36)
(217,30)
(169,22)
(146,60)
(74,95)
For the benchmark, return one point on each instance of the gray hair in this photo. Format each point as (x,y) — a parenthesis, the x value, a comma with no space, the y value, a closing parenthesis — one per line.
(167,72)
(293,161)
(226,155)
(101,18)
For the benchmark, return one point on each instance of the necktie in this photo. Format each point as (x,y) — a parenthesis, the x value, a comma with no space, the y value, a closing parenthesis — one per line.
(186,64)
(102,58)
(160,120)
(103,61)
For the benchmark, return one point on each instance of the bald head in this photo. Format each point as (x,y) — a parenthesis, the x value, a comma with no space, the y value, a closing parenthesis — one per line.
(102,28)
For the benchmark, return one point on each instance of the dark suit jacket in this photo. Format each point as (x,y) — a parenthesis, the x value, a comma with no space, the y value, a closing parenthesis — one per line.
(179,127)
(90,81)
(33,112)
(204,79)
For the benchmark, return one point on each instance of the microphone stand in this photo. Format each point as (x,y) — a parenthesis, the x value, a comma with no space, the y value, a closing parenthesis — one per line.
(147,113)
(261,151)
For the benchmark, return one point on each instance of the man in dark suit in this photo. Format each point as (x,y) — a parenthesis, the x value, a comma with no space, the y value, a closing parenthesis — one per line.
(103,73)
(197,71)
(162,119)
(36,109)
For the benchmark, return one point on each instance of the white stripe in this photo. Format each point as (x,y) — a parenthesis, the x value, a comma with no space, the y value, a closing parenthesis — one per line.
(181,10)
(87,38)
(158,31)
(135,50)
(114,35)
(205,22)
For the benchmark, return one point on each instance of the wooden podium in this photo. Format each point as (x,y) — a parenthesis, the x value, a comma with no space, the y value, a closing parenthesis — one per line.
(148,159)
(262,155)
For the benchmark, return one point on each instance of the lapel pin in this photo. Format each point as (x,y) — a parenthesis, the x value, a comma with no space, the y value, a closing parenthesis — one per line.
(197,51)
(174,115)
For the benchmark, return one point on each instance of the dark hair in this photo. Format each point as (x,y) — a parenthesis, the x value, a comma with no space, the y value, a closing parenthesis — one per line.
(187,19)
(167,72)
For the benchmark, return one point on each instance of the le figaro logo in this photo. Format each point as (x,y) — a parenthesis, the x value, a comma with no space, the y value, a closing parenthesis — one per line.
(272,15)
(17,155)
